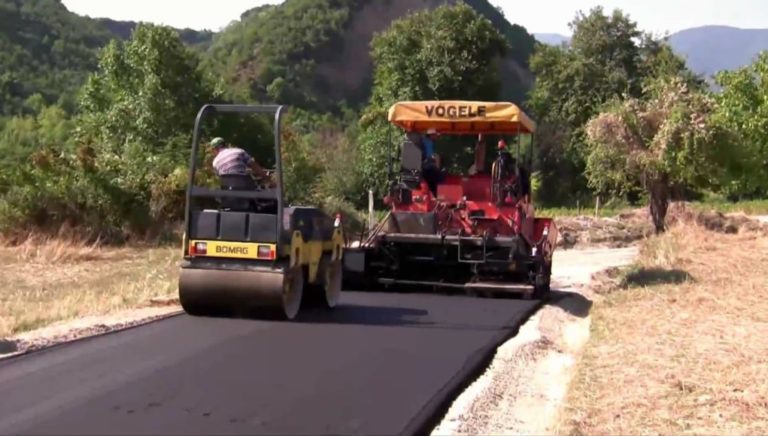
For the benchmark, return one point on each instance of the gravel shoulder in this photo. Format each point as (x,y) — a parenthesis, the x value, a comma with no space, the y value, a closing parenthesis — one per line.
(523,390)
(80,328)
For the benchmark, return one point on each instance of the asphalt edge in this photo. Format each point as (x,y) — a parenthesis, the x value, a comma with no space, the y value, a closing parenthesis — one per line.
(432,413)
(141,323)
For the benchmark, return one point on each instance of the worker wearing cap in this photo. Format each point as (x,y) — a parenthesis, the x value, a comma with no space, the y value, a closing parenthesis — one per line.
(230,160)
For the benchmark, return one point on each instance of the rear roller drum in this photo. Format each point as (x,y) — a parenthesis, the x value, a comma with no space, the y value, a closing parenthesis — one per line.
(272,294)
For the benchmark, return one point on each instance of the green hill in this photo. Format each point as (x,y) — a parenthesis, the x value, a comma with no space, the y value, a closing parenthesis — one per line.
(45,49)
(311,53)
(316,53)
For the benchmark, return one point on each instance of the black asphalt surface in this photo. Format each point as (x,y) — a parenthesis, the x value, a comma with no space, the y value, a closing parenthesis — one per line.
(378,364)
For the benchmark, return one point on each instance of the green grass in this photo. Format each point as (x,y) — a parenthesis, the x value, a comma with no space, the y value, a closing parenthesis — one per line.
(556,212)
(751,207)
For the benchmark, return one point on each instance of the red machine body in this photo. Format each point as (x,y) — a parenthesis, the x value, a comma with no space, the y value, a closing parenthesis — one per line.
(475,231)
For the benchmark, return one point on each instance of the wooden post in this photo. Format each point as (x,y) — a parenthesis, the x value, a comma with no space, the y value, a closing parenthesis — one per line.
(371,220)
(597,205)
(578,208)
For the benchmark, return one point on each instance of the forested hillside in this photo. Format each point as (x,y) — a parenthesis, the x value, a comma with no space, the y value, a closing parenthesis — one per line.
(316,53)
(96,115)
(47,52)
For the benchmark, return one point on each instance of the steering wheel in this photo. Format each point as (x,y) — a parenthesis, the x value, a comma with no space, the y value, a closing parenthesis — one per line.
(264,182)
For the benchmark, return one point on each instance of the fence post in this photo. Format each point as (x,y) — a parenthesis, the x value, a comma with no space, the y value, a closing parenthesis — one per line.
(371,220)
(597,205)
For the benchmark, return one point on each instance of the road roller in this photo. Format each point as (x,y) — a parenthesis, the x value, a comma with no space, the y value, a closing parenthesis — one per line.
(246,253)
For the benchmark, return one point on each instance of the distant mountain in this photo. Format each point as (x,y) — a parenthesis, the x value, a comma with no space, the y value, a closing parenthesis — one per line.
(551,38)
(710,49)
(707,49)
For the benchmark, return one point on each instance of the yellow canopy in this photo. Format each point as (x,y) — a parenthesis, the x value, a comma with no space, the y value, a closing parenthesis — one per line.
(461,117)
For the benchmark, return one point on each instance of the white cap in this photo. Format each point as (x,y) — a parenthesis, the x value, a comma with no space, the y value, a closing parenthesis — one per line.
(431,131)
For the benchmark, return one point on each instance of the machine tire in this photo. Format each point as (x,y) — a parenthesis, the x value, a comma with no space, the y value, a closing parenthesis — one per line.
(293,291)
(332,283)
(541,287)
(326,293)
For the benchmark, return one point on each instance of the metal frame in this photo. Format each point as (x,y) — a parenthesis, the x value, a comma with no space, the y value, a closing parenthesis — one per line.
(198,192)
(395,151)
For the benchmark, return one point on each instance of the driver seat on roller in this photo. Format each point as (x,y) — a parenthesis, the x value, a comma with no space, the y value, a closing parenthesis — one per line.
(237,182)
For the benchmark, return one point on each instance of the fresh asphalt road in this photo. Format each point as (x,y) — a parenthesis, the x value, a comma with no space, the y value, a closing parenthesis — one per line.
(377,364)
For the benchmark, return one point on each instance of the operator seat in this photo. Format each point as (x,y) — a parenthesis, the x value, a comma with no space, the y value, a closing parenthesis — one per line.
(410,163)
(237,182)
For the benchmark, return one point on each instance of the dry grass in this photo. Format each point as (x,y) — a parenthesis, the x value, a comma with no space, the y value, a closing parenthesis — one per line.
(680,344)
(49,280)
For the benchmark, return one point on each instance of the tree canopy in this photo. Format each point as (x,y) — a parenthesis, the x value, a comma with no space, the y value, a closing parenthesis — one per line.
(421,57)
(669,138)
(743,109)
(609,58)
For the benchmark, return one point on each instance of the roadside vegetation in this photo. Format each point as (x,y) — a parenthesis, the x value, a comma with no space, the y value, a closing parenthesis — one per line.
(51,280)
(109,159)
(679,339)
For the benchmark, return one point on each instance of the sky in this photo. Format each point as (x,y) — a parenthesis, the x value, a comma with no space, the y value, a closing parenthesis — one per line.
(542,16)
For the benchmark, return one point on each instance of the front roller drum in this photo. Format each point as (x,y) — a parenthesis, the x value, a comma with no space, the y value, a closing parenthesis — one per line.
(265,294)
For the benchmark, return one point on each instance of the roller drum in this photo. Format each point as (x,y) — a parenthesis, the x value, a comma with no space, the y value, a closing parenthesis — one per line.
(268,293)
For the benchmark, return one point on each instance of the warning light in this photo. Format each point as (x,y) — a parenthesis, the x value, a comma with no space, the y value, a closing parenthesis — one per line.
(266,252)
(198,248)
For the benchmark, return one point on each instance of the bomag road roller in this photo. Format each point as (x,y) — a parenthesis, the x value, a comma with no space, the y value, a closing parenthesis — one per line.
(448,227)
(246,253)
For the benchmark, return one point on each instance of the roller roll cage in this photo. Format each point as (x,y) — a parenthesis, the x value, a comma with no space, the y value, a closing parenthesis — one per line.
(275,193)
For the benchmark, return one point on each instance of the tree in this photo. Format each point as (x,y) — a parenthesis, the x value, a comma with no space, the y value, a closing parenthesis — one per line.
(668,138)
(743,110)
(423,57)
(138,111)
(608,58)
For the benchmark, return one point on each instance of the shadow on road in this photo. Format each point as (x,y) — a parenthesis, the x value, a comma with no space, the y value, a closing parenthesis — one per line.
(353,314)
(571,302)
(365,315)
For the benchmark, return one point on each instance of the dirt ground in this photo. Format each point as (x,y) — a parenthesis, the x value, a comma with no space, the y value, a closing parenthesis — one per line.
(684,333)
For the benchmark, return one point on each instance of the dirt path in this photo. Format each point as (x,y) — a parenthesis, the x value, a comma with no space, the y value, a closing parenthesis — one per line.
(523,390)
